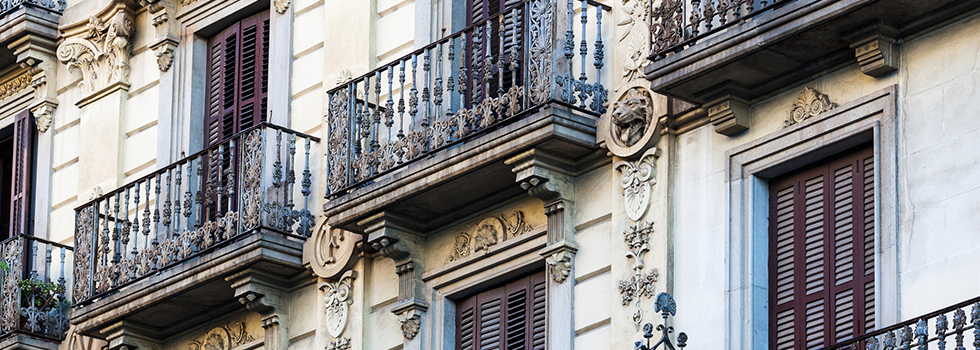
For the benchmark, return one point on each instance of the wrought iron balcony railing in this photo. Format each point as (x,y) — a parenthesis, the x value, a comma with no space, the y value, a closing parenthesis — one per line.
(951,324)
(677,24)
(34,293)
(57,6)
(473,80)
(193,206)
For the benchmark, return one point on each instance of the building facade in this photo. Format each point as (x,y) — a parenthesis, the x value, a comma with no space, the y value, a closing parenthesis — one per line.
(489,174)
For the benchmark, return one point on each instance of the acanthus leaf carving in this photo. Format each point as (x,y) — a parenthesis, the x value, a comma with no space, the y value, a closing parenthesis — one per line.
(101,53)
(810,104)
(411,324)
(336,300)
(637,181)
(560,265)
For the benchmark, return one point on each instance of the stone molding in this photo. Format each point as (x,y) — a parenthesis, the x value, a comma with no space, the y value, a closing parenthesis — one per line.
(750,166)
(166,40)
(99,48)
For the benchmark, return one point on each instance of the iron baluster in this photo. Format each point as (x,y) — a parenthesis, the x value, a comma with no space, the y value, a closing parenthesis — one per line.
(116,232)
(450,82)
(463,78)
(487,60)
(401,100)
(156,213)
(975,318)
(177,196)
(599,48)
(413,95)
(377,112)
(136,219)
(584,46)
(942,325)
(437,89)
(921,333)
(61,268)
(500,59)
(290,181)
(390,104)
(146,214)
(230,176)
(426,66)
(959,325)
(905,338)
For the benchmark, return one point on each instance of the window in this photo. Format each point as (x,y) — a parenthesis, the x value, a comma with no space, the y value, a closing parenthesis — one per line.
(16,160)
(508,317)
(238,71)
(821,256)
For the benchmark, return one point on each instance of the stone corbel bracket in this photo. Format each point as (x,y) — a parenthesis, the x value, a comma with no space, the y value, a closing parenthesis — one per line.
(100,49)
(392,240)
(42,108)
(265,294)
(127,335)
(549,178)
(727,110)
(876,48)
(166,31)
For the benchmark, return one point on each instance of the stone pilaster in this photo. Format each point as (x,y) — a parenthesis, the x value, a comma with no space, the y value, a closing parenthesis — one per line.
(392,240)
(548,177)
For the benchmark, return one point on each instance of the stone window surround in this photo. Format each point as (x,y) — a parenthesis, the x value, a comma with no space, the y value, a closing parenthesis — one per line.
(872,118)
(181,126)
(453,282)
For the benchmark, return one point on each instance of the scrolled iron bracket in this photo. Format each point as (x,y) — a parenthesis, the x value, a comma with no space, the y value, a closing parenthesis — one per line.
(666,307)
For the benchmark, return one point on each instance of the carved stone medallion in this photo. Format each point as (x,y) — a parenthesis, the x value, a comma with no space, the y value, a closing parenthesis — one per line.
(222,338)
(488,232)
(631,124)
(637,181)
(336,301)
(330,251)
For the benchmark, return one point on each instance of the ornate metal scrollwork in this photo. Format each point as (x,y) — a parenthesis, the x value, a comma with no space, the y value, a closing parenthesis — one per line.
(9,291)
(539,70)
(666,307)
(252,184)
(668,24)
(338,142)
(84,229)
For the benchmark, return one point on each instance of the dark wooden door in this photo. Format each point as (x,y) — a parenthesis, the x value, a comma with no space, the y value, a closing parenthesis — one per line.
(821,260)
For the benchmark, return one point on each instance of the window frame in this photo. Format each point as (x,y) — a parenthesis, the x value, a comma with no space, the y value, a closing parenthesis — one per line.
(750,167)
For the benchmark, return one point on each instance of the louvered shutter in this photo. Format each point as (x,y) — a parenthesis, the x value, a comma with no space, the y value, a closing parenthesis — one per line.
(822,254)
(22,174)
(238,72)
(511,317)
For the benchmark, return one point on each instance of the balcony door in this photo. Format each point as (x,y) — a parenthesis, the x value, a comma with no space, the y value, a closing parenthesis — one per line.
(16,176)
(821,253)
(238,87)
(478,12)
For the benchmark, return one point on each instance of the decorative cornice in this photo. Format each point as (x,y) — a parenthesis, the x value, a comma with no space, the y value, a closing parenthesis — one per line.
(17,84)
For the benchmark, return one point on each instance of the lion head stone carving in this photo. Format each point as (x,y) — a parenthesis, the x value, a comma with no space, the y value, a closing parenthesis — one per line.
(631,116)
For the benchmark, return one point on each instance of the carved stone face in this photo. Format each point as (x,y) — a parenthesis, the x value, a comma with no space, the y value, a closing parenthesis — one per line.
(631,116)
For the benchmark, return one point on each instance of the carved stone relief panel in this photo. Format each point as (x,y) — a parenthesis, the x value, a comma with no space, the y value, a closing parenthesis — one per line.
(634,37)
(337,298)
(638,179)
(225,337)
(488,232)
(810,104)
(101,52)
(641,284)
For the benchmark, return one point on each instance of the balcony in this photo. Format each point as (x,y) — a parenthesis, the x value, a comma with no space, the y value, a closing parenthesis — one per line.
(425,136)
(949,327)
(187,237)
(710,51)
(34,292)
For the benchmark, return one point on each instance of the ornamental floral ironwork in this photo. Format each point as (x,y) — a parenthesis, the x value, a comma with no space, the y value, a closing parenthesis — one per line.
(919,332)
(677,23)
(193,206)
(667,308)
(33,287)
(458,87)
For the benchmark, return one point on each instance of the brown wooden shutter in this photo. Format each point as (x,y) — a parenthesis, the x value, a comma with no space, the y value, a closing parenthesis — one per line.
(238,74)
(510,317)
(22,173)
(822,253)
